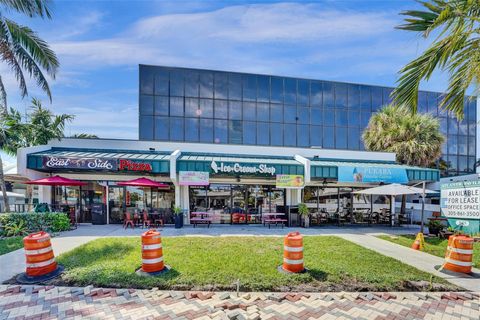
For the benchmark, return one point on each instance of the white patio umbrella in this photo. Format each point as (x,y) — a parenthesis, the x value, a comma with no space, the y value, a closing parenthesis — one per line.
(393,190)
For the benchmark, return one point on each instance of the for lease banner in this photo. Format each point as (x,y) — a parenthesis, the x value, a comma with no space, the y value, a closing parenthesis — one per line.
(289,181)
(461,200)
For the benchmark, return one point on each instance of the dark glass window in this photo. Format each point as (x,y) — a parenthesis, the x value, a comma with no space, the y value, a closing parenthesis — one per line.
(176,83)
(221,85)
(206,130)
(249,132)
(316,116)
(176,106)
(354,137)
(316,94)
(206,85)
(443,125)
(263,133)
(249,87)
(290,114)
(472,110)
(452,144)
(364,119)
(276,113)
(206,108)
(161,128)
(235,110)
(146,81)
(191,107)
(221,109)
(387,99)
(463,127)
(192,129)
(328,95)
(452,126)
(471,145)
(329,117)
(234,86)
(303,92)
(220,130)
(353,118)
(463,164)
(316,134)
(471,164)
(328,137)
(161,84)
(146,105)
(432,103)
(303,136)
(377,98)
(177,129)
(341,137)
(263,88)
(235,132)
(365,98)
(462,145)
(290,91)
(191,84)
(263,111)
(146,128)
(471,128)
(277,89)
(303,115)
(340,95)
(249,111)
(341,118)
(276,134)
(290,135)
(353,97)
(161,106)
(422,102)
(453,163)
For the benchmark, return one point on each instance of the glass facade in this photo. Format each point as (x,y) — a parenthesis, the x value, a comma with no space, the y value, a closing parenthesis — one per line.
(190,105)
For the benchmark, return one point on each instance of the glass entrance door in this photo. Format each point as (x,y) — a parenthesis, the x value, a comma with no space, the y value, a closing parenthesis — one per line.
(116,204)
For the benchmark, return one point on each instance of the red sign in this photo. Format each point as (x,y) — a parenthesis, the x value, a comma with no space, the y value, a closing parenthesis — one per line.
(134,166)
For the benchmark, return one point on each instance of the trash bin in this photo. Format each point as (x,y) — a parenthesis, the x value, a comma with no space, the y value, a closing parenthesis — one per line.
(99,215)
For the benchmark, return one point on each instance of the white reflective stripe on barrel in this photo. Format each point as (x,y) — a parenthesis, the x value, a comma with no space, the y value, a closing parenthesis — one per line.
(293,249)
(40,264)
(152,261)
(459,263)
(288,261)
(151,246)
(463,251)
(38,251)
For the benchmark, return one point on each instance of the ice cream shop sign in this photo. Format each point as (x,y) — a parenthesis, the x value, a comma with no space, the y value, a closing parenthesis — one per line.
(101,164)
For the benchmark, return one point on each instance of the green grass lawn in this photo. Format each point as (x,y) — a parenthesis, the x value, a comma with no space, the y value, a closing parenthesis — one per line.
(435,246)
(10,244)
(216,263)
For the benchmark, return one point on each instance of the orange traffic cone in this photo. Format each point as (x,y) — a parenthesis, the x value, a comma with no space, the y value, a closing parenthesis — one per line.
(416,245)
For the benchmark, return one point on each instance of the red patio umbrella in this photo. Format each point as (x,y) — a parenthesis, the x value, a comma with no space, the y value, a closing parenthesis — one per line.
(56,181)
(143,182)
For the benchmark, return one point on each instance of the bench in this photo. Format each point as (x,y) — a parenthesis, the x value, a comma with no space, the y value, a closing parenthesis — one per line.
(275,221)
(199,220)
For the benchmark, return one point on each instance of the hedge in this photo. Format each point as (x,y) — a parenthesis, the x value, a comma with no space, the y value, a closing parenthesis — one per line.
(22,223)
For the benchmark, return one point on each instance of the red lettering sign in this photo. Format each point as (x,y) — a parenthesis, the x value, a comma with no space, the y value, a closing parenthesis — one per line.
(134,166)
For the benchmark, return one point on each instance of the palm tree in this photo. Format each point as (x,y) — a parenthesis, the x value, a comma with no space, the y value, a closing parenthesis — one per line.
(84,136)
(455,49)
(23,50)
(416,139)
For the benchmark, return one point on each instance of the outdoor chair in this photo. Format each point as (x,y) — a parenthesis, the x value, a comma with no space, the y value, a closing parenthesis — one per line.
(158,220)
(146,221)
(128,221)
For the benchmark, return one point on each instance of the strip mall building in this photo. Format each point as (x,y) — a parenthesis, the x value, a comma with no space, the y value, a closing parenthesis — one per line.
(242,143)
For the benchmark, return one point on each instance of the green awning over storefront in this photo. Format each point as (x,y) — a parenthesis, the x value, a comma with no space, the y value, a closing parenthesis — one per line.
(220,164)
(113,161)
(324,169)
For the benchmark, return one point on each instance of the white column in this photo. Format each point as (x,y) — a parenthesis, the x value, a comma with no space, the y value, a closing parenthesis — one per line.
(45,194)
(185,203)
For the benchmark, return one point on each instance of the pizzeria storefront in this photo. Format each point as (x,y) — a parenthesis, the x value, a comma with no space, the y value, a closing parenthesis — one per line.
(233,185)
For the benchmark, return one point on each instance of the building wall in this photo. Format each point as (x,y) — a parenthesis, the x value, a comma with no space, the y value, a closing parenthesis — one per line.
(191,105)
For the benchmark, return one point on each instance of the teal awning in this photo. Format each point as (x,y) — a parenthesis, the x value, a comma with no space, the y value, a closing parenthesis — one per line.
(321,169)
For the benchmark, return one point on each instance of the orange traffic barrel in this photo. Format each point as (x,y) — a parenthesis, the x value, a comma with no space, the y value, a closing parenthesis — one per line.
(458,257)
(39,254)
(152,254)
(293,252)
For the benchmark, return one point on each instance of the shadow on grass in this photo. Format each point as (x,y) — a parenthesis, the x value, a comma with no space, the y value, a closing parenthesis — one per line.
(317,274)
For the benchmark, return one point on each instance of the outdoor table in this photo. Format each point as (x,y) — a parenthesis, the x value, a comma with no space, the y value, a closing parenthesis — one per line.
(274,218)
(201,217)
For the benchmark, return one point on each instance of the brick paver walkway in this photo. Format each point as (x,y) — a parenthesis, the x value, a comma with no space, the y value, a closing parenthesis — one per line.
(40,302)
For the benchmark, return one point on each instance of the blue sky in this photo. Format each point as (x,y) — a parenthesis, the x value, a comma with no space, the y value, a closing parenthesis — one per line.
(101,43)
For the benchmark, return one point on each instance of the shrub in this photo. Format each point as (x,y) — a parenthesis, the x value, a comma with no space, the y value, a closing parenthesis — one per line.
(20,223)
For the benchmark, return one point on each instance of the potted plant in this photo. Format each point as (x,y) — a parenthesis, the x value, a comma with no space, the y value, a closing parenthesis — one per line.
(434,227)
(178,214)
(304,213)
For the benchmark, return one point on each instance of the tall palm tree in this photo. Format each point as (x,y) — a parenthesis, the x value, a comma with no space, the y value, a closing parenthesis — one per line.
(455,49)
(416,139)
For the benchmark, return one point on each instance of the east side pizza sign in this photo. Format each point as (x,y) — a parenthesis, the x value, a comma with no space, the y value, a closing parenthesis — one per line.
(101,164)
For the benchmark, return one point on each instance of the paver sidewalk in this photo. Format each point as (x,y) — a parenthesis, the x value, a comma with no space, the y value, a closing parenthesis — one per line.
(418,259)
(32,302)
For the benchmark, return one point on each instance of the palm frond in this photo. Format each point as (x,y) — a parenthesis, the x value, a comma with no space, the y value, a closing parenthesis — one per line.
(31,8)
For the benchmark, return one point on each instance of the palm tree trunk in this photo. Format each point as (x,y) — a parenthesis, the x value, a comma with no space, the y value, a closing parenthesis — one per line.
(3,185)
(404,205)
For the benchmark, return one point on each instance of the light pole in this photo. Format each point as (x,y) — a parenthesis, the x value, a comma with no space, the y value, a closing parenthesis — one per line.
(423,183)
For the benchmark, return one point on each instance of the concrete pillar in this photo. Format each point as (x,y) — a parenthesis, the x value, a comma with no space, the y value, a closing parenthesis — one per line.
(294,196)
(45,194)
